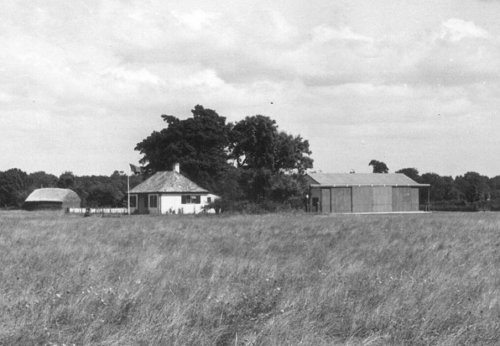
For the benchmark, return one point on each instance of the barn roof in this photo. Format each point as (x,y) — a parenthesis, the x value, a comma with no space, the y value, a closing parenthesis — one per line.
(362,179)
(52,194)
(168,182)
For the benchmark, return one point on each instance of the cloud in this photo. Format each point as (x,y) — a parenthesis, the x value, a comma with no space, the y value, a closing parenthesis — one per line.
(197,20)
(455,30)
(324,34)
(107,70)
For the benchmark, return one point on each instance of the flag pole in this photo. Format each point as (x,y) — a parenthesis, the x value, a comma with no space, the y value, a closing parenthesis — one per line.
(128,194)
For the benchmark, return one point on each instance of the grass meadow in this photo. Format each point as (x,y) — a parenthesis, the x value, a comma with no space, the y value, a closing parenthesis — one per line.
(426,279)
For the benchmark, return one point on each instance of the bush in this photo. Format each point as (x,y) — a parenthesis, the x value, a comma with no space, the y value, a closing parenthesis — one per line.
(454,205)
(247,207)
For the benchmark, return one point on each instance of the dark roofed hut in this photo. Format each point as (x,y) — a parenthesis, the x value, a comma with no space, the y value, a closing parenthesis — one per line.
(52,199)
(362,193)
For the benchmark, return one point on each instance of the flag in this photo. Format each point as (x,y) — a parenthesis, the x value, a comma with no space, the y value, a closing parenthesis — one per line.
(136,169)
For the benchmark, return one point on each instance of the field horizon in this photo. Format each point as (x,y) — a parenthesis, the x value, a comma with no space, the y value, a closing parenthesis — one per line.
(277,279)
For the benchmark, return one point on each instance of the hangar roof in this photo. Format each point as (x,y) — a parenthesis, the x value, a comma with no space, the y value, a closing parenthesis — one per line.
(52,194)
(361,179)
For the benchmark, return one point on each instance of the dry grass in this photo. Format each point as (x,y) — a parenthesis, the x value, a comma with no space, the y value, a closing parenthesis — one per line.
(250,280)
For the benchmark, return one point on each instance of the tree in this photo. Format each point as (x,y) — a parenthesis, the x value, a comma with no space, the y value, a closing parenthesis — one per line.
(198,143)
(378,166)
(256,143)
(66,180)
(292,153)
(105,195)
(205,146)
(474,186)
(14,187)
(41,179)
(270,160)
(494,184)
(441,188)
(411,173)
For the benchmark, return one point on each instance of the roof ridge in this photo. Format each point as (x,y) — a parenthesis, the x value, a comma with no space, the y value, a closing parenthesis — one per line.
(168,182)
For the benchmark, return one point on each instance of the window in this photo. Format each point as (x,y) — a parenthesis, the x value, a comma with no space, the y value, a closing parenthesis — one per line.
(209,199)
(153,201)
(133,201)
(190,199)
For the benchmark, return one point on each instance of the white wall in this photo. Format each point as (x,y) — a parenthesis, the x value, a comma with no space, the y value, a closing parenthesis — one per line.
(173,203)
(170,203)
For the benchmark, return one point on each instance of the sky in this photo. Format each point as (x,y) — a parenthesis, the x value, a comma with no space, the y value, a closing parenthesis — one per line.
(409,83)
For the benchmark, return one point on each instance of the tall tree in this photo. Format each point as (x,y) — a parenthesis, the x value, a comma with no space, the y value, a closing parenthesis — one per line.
(205,145)
(256,143)
(378,166)
(271,160)
(198,143)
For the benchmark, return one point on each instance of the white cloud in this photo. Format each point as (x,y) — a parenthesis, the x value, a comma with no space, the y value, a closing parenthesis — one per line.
(455,30)
(92,65)
(325,34)
(197,20)
(133,76)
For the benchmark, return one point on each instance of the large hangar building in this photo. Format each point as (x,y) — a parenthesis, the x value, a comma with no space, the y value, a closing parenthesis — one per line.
(363,193)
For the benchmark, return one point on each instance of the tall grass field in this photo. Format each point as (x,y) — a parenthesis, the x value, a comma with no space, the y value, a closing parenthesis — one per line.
(422,279)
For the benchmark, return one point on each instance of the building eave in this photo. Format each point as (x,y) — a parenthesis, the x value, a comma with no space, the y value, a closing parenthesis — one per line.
(369,185)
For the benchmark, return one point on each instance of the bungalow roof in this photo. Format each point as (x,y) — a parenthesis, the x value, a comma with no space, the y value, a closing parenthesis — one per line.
(168,182)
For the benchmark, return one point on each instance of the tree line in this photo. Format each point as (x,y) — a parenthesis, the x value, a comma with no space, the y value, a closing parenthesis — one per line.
(468,192)
(94,191)
(251,164)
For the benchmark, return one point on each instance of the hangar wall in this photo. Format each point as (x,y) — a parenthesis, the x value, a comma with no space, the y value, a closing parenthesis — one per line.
(363,199)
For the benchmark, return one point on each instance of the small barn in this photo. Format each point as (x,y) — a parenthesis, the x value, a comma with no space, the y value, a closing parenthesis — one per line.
(52,199)
(362,193)
(169,192)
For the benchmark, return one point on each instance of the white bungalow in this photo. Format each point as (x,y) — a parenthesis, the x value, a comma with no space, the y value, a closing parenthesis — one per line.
(169,192)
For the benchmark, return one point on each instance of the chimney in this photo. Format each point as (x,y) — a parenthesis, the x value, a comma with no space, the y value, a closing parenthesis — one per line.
(177,167)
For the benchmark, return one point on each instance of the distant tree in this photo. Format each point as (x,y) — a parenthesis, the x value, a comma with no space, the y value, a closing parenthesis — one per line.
(105,195)
(494,184)
(474,186)
(441,188)
(14,187)
(411,173)
(104,191)
(41,179)
(66,180)
(378,166)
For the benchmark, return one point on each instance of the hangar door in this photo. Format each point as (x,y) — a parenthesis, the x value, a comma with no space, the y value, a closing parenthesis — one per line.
(336,200)
(382,198)
(367,199)
(326,205)
(404,199)
(362,199)
(341,200)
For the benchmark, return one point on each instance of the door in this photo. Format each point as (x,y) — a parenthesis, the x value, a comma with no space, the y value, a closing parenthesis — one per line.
(142,205)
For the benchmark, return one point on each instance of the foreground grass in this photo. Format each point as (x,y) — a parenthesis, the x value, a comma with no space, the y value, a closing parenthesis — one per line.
(250,280)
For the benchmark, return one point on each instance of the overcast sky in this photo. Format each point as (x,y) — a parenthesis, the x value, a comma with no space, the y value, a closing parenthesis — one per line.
(410,83)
